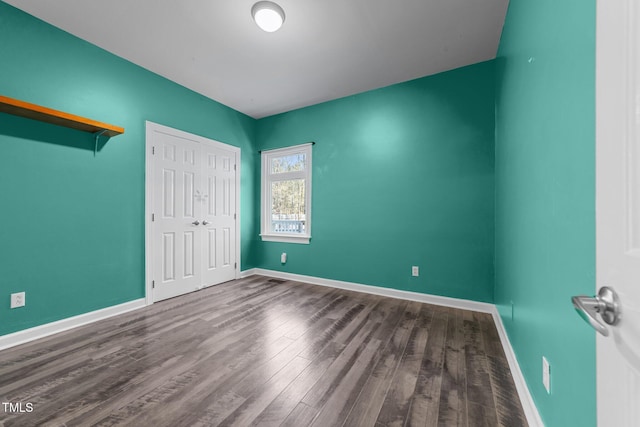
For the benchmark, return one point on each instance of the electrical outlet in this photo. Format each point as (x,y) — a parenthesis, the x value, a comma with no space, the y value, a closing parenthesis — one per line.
(546,374)
(17,300)
(415,271)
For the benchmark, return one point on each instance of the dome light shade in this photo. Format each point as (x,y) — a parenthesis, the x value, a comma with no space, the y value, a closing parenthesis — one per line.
(268,15)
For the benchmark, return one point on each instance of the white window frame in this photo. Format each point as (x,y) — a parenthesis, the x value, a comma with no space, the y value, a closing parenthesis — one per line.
(265,208)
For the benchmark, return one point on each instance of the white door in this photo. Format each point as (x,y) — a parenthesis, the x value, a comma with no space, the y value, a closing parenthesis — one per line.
(618,207)
(192,202)
(219,214)
(176,234)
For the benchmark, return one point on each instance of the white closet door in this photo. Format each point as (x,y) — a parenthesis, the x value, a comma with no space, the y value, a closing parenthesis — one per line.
(177,212)
(219,215)
(192,237)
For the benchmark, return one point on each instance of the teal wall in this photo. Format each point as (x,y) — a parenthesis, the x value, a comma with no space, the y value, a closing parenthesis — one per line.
(71,224)
(545,193)
(402,176)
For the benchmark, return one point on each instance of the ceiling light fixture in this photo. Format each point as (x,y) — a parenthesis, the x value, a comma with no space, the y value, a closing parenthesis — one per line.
(268,15)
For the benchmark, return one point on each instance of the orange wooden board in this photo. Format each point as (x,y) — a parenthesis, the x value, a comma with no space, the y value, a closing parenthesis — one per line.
(48,115)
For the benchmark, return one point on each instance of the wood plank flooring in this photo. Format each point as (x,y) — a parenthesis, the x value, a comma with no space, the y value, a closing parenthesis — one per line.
(267,352)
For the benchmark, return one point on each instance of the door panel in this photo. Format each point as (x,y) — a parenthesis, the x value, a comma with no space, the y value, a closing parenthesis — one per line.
(618,207)
(168,193)
(211,192)
(189,194)
(168,262)
(211,249)
(189,253)
(178,269)
(226,247)
(220,215)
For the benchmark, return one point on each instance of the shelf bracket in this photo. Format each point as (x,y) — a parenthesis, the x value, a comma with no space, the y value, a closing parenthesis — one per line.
(98,135)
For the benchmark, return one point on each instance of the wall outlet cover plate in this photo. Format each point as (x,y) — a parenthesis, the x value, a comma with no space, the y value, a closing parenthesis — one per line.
(17,300)
(546,375)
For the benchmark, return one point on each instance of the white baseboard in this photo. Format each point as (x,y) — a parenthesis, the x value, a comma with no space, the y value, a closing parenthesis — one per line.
(22,337)
(378,290)
(247,273)
(528,405)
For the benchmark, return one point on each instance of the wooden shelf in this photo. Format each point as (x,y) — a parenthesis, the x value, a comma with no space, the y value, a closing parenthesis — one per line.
(48,115)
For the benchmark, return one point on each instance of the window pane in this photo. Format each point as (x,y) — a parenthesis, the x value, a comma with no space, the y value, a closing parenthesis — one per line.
(291,163)
(288,214)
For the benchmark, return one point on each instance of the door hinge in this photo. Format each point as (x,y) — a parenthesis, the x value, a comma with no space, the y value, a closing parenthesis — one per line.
(153,217)
(234,167)
(153,284)
(153,150)
(234,216)
(235,265)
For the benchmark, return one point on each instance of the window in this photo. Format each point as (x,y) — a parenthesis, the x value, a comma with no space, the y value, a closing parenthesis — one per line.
(286,194)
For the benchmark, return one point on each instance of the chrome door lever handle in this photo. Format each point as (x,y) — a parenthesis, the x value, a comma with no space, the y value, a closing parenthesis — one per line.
(205,222)
(588,308)
(196,222)
(605,303)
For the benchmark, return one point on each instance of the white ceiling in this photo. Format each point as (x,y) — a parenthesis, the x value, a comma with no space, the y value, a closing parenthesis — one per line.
(325,50)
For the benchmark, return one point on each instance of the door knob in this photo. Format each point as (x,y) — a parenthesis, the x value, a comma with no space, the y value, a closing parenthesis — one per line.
(196,222)
(205,222)
(605,304)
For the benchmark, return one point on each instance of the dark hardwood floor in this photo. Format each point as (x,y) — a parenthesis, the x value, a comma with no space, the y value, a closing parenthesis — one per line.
(267,352)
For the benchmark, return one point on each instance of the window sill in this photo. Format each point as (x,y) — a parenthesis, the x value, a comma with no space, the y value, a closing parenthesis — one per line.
(285,238)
